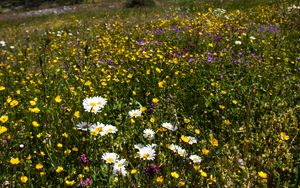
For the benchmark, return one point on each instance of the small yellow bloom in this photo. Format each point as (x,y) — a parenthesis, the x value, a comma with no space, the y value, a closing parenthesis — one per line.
(175,175)
(155,100)
(14,103)
(212,179)
(202,173)
(223,92)
(221,107)
(160,180)
(58,99)
(32,103)
(42,174)
(284,136)
(197,131)
(42,153)
(59,169)
(205,151)
(234,101)
(86,168)
(80,176)
(39,166)
(263,175)
(2,88)
(152,119)
(65,135)
(158,70)
(184,138)
(3,118)
(143,109)
(74,149)
(67,152)
(34,110)
(14,161)
(227,122)
(77,114)
(88,83)
(214,142)
(186,120)
(181,184)
(2,129)
(8,100)
(161,84)
(24,179)
(69,183)
(59,145)
(133,171)
(35,124)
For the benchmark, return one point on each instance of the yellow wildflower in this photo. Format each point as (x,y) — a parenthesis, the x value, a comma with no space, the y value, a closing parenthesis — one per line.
(202,173)
(205,151)
(14,103)
(284,136)
(184,138)
(152,119)
(4,118)
(143,109)
(14,161)
(77,114)
(35,124)
(263,175)
(227,122)
(160,180)
(155,100)
(24,179)
(69,183)
(2,88)
(175,175)
(2,129)
(186,120)
(58,99)
(234,101)
(214,142)
(133,171)
(32,103)
(59,169)
(39,166)
(181,184)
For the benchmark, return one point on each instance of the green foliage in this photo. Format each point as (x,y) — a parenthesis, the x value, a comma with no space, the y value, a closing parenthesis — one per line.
(226,79)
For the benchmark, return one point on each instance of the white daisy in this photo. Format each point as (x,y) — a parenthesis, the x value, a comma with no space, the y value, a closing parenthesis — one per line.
(119,170)
(148,134)
(110,158)
(119,167)
(177,149)
(135,113)
(195,158)
(2,43)
(147,153)
(84,126)
(97,129)
(169,126)
(109,129)
(192,140)
(94,104)
(182,152)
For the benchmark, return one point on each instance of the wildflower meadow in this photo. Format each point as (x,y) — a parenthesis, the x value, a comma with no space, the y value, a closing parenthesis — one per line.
(197,94)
